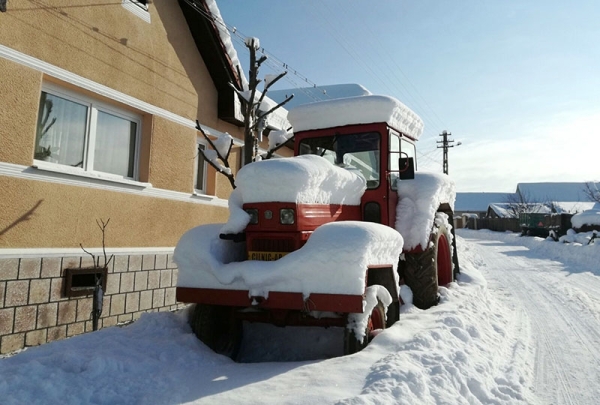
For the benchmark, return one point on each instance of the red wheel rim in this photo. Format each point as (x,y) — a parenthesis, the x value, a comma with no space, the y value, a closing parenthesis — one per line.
(377,319)
(444,263)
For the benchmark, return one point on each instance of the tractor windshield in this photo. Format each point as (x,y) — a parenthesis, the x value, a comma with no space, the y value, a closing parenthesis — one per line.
(353,151)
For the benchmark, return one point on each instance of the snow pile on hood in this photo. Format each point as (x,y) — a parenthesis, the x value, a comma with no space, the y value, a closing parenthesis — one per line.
(334,260)
(419,199)
(356,110)
(589,217)
(306,179)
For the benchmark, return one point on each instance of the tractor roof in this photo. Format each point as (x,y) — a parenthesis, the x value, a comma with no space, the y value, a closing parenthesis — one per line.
(356,110)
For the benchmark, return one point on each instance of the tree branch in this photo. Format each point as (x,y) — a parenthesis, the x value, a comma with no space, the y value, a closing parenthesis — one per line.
(284,102)
(271,152)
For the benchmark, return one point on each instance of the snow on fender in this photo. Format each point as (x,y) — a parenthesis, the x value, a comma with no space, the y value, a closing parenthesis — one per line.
(333,261)
(418,201)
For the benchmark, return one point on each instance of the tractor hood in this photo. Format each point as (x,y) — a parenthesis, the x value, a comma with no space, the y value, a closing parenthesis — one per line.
(306,179)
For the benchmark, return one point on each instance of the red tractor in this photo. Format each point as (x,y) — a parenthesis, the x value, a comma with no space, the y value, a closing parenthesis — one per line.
(374,137)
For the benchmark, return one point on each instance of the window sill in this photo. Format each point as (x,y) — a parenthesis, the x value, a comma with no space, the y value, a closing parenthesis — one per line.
(138,10)
(201,196)
(70,171)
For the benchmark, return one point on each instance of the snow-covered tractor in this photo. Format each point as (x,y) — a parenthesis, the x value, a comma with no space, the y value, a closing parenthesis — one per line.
(327,237)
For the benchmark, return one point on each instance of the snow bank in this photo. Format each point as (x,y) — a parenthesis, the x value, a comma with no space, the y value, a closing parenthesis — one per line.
(356,110)
(589,217)
(306,179)
(334,260)
(419,199)
(578,253)
(581,238)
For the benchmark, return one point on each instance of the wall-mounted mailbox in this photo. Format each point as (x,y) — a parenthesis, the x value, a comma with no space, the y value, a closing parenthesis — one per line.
(81,282)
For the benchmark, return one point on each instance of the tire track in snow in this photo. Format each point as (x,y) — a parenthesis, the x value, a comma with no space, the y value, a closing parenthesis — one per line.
(567,367)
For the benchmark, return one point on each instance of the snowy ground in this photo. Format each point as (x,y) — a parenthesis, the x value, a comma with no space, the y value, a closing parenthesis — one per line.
(520,326)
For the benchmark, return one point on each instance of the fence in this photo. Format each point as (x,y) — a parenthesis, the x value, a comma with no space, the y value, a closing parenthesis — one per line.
(495,224)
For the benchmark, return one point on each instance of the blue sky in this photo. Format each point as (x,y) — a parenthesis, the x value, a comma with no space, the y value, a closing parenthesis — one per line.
(517,82)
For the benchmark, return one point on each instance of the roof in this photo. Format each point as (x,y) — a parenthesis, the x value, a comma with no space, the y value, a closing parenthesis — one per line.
(543,192)
(306,95)
(478,202)
(216,55)
(502,210)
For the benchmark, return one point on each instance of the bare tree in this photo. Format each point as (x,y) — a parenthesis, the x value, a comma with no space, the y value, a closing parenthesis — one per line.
(519,202)
(592,191)
(256,111)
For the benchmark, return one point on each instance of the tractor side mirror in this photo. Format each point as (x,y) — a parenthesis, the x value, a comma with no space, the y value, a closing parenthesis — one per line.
(407,168)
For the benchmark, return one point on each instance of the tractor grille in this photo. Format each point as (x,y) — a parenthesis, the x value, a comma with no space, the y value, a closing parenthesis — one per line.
(273,245)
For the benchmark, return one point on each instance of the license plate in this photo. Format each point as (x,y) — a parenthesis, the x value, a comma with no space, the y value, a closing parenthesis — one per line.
(266,256)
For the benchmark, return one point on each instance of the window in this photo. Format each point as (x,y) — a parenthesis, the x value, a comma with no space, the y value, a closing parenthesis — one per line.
(200,174)
(359,152)
(399,147)
(138,8)
(86,135)
(141,3)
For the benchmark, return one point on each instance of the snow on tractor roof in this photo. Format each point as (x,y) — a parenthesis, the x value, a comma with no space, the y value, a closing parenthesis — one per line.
(418,201)
(333,261)
(356,110)
(306,179)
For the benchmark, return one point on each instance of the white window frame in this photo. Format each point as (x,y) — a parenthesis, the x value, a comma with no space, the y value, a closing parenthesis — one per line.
(93,106)
(137,8)
(199,142)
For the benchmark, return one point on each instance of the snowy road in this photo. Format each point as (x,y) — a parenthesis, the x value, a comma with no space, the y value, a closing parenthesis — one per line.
(561,300)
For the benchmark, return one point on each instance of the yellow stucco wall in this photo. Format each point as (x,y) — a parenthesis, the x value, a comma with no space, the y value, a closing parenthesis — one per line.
(50,215)
(157,63)
(19,101)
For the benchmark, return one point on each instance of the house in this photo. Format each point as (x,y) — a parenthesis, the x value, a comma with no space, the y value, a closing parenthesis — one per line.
(477,203)
(98,104)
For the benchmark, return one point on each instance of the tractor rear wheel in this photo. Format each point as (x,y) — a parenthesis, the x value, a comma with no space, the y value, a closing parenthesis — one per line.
(425,271)
(376,322)
(217,327)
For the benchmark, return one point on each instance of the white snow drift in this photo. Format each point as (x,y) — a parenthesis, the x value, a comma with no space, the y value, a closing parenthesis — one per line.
(589,217)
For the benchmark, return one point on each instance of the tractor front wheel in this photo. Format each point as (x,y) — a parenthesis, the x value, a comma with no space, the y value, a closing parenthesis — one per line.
(217,327)
(375,323)
(425,271)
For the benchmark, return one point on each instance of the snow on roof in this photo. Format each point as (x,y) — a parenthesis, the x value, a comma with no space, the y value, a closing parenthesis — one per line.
(574,207)
(478,201)
(307,95)
(418,202)
(307,179)
(502,210)
(589,217)
(543,192)
(204,260)
(356,110)
(278,118)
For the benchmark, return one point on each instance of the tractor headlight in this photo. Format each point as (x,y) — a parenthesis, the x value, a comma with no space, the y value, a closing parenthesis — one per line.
(286,216)
(253,212)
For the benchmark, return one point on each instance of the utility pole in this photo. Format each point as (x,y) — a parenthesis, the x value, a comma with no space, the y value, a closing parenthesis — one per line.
(445,144)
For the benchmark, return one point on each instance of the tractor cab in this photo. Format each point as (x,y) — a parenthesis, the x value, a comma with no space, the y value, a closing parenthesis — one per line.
(378,153)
